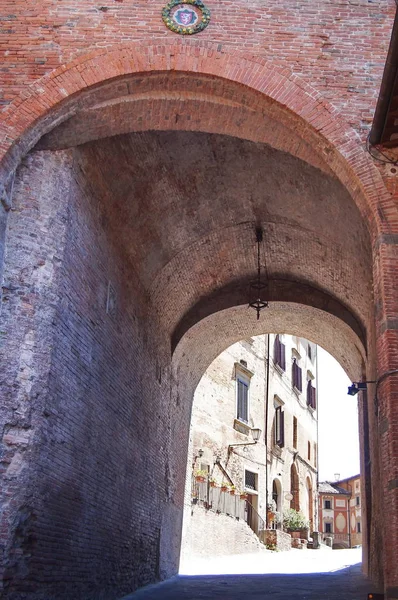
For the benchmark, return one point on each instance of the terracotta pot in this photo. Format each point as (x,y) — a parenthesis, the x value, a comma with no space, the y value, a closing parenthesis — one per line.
(212,484)
(199,478)
(224,488)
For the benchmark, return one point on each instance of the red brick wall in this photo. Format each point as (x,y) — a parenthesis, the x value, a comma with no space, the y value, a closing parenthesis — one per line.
(321,42)
(316,66)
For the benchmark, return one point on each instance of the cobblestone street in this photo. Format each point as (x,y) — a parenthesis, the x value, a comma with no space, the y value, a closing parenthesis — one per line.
(291,579)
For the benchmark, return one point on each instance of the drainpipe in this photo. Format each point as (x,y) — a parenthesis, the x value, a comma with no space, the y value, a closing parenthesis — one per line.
(266,434)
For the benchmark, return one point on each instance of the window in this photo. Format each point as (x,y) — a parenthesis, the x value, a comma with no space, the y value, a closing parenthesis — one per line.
(242,412)
(358,527)
(311,395)
(328,504)
(294,432)
(279,427)
(297,376)
(309,450)
(279,353)
(328,528)
(357,501)
(250,480)
(309,351)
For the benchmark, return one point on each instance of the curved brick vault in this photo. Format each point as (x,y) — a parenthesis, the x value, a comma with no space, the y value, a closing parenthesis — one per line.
(57,96)
(125,244)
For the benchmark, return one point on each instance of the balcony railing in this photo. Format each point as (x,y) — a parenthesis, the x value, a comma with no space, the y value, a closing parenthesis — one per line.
(227,503)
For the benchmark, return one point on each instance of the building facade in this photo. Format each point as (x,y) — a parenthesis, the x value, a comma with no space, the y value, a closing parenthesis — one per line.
(243,396)
(340,512)
(135,164)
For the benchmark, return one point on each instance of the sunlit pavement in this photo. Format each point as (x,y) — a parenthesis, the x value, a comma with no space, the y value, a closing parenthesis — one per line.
(295,561)
(295,575)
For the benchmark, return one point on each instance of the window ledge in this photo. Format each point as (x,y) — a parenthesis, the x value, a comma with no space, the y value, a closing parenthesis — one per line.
(242,427)
(279,369)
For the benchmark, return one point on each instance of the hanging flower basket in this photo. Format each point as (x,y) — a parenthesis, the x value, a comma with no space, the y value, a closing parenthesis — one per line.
(200,478)
(224,488)
(244,496)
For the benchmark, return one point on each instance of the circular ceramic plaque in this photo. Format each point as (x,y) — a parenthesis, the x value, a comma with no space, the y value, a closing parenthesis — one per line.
(186,16)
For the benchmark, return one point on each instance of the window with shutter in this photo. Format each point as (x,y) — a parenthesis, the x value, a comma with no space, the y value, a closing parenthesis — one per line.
(311,395)
(279,427)
(297,376)
(294,432)
(279,353)
(242,400)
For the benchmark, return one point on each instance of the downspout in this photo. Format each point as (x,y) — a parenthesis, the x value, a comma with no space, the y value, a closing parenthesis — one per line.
(266,433)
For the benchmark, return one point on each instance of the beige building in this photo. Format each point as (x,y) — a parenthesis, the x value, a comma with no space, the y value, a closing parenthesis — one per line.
(241,397)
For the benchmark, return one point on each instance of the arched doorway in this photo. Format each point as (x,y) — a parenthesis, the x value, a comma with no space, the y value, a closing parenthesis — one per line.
(159,250)
(294,488)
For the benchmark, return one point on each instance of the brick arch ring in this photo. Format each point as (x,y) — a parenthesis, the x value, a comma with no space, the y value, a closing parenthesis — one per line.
(31,115)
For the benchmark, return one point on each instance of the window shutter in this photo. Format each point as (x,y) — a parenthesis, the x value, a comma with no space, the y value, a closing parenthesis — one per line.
(283,357)
(279,427)
(242,401)
(279,353)
(276,350)
(297,376)
(313,397)
(282,440)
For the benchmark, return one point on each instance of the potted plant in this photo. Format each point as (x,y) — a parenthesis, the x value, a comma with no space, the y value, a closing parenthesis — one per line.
(294,521)
(212,482)
(271,510)
(224,487)
(201,475)
(232,489)
(243,495)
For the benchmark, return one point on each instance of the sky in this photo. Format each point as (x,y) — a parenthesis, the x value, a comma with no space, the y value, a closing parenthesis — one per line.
(338,421)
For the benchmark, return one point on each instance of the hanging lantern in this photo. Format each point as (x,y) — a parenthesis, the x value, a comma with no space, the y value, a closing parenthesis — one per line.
(257,286)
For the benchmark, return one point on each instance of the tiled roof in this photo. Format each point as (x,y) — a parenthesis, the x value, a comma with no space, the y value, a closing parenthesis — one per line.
(325,487)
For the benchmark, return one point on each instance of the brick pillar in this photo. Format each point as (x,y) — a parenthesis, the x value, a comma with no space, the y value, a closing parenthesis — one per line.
(34,246)
(387,396)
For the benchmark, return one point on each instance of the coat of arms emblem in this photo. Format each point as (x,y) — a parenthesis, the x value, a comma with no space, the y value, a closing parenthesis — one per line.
(186,16)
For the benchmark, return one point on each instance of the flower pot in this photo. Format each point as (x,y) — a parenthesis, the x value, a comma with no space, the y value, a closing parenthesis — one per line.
(244,496)
(199,478)
(224,488)
(212,484)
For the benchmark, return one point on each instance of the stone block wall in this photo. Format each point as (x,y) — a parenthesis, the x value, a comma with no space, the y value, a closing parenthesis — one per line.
(280,540)
(222,534)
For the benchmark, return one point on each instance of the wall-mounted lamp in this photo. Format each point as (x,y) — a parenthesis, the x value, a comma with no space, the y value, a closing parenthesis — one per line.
(200,452)
(358,386)
(256,433)
(361,386)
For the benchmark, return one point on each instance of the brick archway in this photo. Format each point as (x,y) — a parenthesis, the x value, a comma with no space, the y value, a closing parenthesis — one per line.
(33,113)
(332,141)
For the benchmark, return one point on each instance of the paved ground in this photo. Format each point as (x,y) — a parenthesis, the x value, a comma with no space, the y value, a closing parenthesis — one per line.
(295,575)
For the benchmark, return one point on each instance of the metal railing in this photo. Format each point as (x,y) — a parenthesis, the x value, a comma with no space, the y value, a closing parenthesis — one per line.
(228,503)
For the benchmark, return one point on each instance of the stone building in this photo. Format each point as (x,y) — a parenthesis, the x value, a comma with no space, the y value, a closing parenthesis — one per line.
(241,392)
(340,516)
(136,163)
